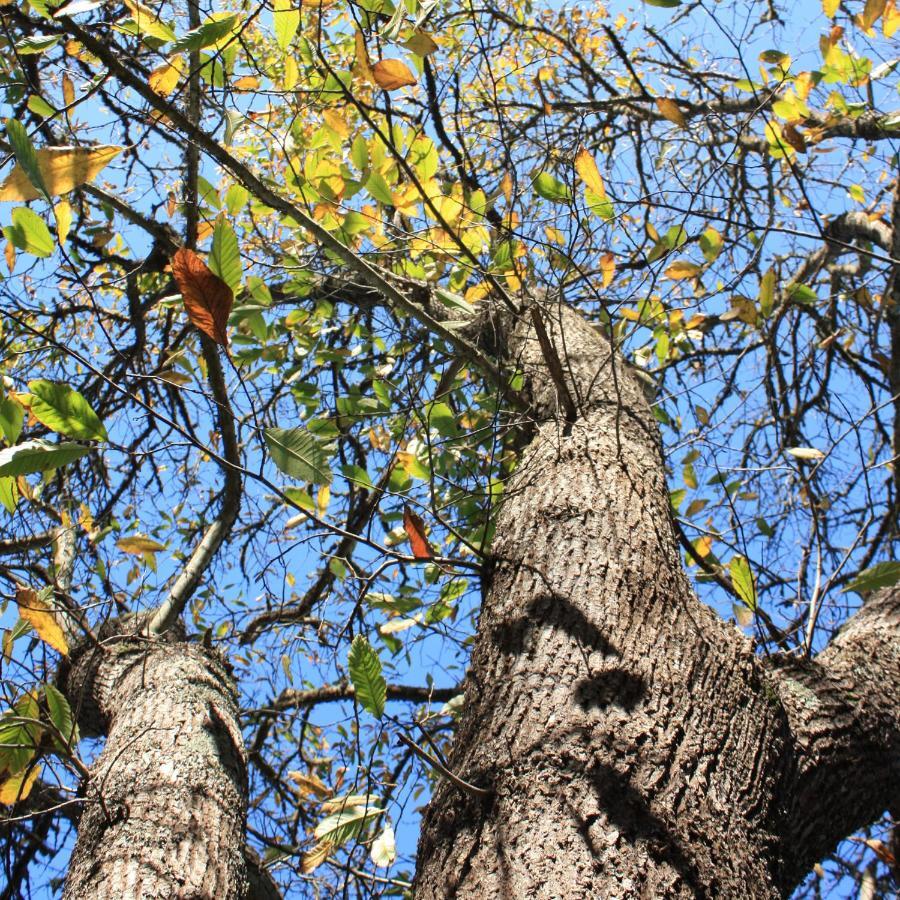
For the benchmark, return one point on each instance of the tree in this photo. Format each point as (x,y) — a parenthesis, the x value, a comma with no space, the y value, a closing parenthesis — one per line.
(491,405)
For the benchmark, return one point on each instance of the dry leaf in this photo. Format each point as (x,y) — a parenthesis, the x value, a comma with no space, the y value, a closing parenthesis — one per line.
(9,254)
(68,90)
(315,857)
(62,168)
(793,137)
(40,616)
(207,298)
(415,530)
(682,269)
(310,784)
(392,74)
(670,110)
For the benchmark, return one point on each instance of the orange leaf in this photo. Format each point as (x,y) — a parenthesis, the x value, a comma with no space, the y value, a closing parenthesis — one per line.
(607,268)
(392,74)
(670,110)
(415,530)
(207,298)
(40,616)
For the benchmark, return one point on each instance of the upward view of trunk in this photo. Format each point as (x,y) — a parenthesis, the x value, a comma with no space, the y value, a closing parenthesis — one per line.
(166,802)
(633,743)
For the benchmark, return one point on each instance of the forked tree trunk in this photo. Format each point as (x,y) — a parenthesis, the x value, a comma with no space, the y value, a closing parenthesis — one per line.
(166,803)
(634,744)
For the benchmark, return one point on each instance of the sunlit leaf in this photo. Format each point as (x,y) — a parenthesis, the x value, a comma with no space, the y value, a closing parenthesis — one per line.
(392,74)
(62,169)
(805,453)
(286,21)
(38,456)
(165,78)
(384,848)
(415,530)
(29,232)
(742,579)
(40,615)
(63,410)
(18,787)
(225,256)
(551,188)
(27,159)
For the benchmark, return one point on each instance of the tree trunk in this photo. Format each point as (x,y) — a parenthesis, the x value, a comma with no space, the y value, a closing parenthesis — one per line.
(166,801)
(633,743)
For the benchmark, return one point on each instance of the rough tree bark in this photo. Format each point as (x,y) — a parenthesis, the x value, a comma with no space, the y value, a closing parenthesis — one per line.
(166,801)
(634,744)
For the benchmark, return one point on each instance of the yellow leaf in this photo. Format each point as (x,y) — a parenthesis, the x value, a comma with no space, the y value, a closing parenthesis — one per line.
(40,616)
(68,90)
(506,186)
(9,254)
(363,66)
(421,43)
(703,545)
(315,857)
(607,268)
(670,110)
(62,211)
(323,498)
(681,268)
(588,172)
(830,7)
(164,79)
(18,787)
(890,22)
(246,83)
(62,168)
(138,545)
(392,74)
(336,123)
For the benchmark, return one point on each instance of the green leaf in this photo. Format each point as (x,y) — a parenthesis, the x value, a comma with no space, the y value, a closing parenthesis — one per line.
(225,256)
(38,456)
(26,155)
(18,735)
(367,678)
(11,418)
(298,453)
(9,494)
(29,233)
(65,411)
(766,295)
(32,46)
(61,717)
(884,574)
(340,827)
(210,32)
(742,579)
(800,293)
(550,188)
(286,20)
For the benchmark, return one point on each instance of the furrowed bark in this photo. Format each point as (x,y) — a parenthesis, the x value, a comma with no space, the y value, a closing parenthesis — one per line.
(634,745)
(166,803)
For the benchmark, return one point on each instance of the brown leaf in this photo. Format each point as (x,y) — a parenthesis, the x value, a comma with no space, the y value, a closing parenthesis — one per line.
(312,859)
(392,74)
(415,530)
(40,616)
(793,137)
(670,110)
(207,298)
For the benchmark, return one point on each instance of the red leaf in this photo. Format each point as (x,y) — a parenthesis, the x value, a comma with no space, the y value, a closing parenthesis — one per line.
(415,529)
(207,298)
